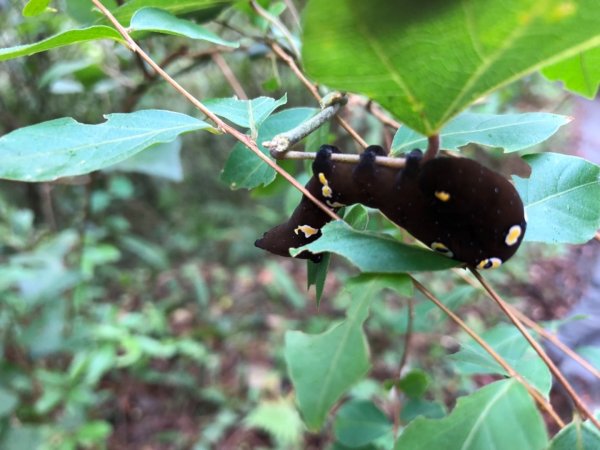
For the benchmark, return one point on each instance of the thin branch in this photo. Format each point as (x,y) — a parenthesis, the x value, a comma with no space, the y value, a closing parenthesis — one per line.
(376,111)
(407,336)
(229,76)
(285,57)
(280,144)
(222,126)
(277,24)
(538,329)
(544,404)
(387,161)
(583,409)
(293,11)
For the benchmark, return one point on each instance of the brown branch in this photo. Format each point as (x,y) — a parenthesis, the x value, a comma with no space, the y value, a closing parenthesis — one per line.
(285,57)
(229,76)
(583,409)
(433,146)
(277,24)
(538,329)
(544,404)
(387,161)
(221,125)
(376,111)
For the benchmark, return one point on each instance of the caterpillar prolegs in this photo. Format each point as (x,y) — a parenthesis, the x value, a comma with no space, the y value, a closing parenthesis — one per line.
(456,206)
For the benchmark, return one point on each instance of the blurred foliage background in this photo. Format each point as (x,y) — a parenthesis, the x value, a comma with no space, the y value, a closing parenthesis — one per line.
(135,311)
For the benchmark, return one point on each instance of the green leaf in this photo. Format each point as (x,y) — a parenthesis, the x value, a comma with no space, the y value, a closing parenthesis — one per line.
(8,402)
(159,160)
(278,418)
(576,436)
(200,9)
(357,216)
(359,422)
(511,132)
(62,39)
(245,113)
(246,170)
(501,416)
(324,366)
(415,407)
(372,252)
(426,64)
(579,73)
(560,198)
(159,20)
(65,147)
(35,7)
(514,348)
(316,274)
(414,384)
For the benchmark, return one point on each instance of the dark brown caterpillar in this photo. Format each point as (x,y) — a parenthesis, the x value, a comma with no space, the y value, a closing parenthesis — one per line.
(454,205)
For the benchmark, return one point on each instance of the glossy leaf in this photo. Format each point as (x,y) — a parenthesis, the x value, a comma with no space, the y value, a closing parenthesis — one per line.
(201,9)
(561,198)
(60,40)
(579,73)
(243,169)
(245,113)
(65,147)
(359,422)
(316,274)
(427,62)
(512,346)
(375,253)
(415,407)
(160,160)
(324,366)
(35,7)
(576,436)
(512,132)
(501,416)
(279,418)
(161,21)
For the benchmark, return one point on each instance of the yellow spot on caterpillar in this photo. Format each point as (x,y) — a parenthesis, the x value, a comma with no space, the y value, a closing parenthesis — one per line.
(307,230)
(442,195)
(489,263)
(441,248)
(325,190)
(513,235)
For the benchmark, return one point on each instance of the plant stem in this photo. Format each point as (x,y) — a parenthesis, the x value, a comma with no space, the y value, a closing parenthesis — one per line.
(221,125)
(583,409)
(544,404)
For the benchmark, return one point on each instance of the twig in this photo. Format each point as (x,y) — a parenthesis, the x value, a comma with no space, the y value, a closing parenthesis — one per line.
(544,404)
(277,24)
(314,91)
(387,161)
(379,115)
(222,126)
(281,143)
(293,11)
(538,329)
(583,409)
(229,76)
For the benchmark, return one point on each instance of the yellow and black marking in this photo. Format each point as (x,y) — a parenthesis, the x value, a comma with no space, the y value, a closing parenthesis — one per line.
(513,235)
(326,189)
(307,230)
(441,248)
(442,195)
(489,263)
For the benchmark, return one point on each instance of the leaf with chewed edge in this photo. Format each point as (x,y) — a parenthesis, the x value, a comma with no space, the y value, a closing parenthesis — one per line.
(64,147)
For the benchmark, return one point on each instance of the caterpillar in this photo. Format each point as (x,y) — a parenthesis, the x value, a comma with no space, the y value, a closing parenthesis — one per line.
(456,206)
